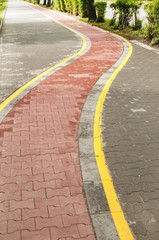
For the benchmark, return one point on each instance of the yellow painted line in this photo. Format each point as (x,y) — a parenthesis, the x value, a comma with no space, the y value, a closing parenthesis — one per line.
(21,89)
(115,208)
(117,213)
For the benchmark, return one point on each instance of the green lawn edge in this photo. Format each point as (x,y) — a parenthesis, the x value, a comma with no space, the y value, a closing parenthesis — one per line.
(128,33)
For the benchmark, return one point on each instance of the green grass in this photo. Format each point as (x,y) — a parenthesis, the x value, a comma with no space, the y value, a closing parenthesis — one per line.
(127,33)
(2,8)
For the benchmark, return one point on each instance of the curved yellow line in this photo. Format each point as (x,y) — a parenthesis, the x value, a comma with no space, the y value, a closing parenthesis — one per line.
(21,89)
(115,208)
(117,213)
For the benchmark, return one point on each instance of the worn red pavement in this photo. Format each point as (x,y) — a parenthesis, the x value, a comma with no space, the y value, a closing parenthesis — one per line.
(40,178)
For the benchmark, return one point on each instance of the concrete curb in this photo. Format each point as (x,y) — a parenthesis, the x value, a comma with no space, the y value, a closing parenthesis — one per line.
(10,105)
(96,200)
(97,204)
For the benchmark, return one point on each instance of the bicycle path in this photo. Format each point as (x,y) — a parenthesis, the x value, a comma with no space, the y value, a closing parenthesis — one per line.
(41,185)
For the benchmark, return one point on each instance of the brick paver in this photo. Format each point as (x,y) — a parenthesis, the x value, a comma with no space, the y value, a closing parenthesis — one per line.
(41,185)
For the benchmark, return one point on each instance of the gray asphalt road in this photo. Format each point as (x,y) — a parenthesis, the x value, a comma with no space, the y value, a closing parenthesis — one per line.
(29,44)
(131,140)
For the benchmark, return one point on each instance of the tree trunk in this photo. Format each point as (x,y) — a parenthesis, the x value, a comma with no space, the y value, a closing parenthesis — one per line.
(135,18)
(91,10)
(44,3)
(48,3)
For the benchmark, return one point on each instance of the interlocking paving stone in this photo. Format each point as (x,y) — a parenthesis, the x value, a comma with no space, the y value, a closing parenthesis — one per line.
(39,147)
(130,134)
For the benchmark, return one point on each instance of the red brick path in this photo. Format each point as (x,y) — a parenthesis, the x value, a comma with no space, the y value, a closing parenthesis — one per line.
(40,180)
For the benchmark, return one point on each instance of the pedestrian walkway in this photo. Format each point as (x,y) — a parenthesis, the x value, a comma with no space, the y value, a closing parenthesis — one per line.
(131,140)
(26,51)
(41,186)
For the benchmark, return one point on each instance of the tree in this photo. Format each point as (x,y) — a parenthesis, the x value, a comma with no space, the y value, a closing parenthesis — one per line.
(83,7)
(135,6)
(101,9)
(125,9)
(91,10)
(75,7)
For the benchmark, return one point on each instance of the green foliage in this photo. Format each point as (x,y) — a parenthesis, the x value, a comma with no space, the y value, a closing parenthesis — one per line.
(75,7)
(91,11)
(62,5)
(152,29)
(125,9)
(69,7)
(113,20)
(57,5)
(2,8)
(101,9)
(83,8)
(137,26)
(128,33)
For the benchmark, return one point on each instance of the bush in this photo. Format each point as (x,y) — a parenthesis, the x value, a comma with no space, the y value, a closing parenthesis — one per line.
(69,7)
(125,9)
(125,13)
(138,25)
(135,6)
(101,9)
(75,7)
(62,5)
(152,29)
(91,11)
(57,4)
(83,7)
(113,20)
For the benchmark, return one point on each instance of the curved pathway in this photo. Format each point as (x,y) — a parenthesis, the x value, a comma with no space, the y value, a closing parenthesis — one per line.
(29,46)
(131,140)
(41,186)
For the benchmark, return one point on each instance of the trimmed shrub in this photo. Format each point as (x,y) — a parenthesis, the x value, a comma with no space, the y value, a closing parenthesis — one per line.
(91,10)
(83,8)
(69,7)
(101,9)
(125,9)
(152,29)
(113,20)
(62,5)
(48,3)
(137,25)
(75,7)
(57,4)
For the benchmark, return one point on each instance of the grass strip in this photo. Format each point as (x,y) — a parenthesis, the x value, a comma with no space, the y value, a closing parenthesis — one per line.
(128,33)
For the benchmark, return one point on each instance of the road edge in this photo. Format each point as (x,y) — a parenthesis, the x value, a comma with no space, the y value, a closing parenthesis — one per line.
(7,105)
(97,180)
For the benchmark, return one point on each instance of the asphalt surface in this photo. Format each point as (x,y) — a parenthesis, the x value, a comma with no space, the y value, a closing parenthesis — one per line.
(30,43)
(131,140)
